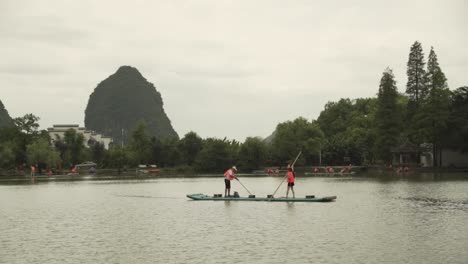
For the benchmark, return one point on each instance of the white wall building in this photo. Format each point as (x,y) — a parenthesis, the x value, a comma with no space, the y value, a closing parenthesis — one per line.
(58,131)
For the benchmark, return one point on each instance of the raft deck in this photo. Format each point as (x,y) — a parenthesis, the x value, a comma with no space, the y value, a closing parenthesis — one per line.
(204,197)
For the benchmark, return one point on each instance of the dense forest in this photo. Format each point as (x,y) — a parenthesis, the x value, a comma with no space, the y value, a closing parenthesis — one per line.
(359,131)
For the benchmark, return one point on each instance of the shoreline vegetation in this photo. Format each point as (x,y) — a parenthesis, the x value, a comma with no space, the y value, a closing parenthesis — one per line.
(133,174)
(409,130)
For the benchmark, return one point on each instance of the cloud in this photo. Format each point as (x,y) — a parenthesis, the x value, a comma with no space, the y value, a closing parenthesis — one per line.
(29,69)
(214,72)
(256,62)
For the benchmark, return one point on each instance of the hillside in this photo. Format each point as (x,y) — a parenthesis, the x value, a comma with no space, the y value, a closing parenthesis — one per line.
(123,99)
(5,119)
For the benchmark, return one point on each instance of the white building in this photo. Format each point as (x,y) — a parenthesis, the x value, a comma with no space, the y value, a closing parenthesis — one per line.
(58,131)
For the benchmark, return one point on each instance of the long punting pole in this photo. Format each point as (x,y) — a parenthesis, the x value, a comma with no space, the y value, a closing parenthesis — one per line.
(300,152)
(243,186)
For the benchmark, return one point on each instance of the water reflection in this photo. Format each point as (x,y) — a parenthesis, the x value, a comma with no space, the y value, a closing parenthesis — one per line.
(291,207)
(146,221)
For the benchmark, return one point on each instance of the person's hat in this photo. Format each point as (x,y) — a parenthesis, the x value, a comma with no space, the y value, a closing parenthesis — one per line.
(234,167)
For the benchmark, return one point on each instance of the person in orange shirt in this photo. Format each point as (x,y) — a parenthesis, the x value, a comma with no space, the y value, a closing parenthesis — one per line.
(291,179)
(228,177)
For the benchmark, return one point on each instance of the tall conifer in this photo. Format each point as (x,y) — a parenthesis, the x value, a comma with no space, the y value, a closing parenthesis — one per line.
(388,117)
(415,87)
(433,116)
(435,77)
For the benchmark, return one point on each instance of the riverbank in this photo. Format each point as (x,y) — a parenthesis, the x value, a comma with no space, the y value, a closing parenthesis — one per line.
(121,176)
(190,172)
(385,175)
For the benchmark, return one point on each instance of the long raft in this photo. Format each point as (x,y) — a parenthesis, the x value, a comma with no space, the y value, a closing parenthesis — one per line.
(204,197)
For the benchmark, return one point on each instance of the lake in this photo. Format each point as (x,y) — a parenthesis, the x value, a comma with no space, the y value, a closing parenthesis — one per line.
(374,220)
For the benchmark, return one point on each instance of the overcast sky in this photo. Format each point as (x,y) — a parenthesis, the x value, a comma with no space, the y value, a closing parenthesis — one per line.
(224,68)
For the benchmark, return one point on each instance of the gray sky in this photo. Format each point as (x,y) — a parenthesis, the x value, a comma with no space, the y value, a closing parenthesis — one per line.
(224,68)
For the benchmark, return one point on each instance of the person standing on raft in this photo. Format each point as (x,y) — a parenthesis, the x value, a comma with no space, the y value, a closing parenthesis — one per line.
(291,179)
(228,177)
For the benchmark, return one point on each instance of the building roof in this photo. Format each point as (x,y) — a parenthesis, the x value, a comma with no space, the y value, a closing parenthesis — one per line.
(66,125)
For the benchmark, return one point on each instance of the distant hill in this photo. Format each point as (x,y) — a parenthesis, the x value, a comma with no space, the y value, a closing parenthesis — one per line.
(5,119)
(123,99)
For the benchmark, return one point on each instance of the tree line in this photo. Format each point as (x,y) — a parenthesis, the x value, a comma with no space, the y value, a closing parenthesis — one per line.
(24,144)
(360,131)
(427,114)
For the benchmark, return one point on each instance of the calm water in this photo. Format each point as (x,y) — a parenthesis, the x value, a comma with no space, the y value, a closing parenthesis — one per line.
(151,221)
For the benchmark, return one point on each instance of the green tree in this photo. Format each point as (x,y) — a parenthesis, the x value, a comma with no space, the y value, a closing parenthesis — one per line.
(171,153)
(292,137)
(253,153)
(415,87)
(348,130)
(360,133)
(41,152)
(435,77)
(434,114)
(156,151)
(27,124)
(140,143)
(388,117)
(334,119)
(215,156)
(120,157)
(7,154)
(97,151)
(24,133)
(456,136)
(190,145)
(12,149)
(233,148)
(75,142)
(71,147)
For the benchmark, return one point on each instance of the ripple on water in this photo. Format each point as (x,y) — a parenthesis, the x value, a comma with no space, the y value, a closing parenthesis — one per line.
(153,222)
(437,203)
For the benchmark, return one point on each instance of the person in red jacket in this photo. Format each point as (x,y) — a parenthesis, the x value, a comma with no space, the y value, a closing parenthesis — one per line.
(33,171)
(291,179)
(228,177)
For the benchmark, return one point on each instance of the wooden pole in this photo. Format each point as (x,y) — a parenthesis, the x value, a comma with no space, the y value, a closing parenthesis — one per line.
(273,195)
(243,186)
